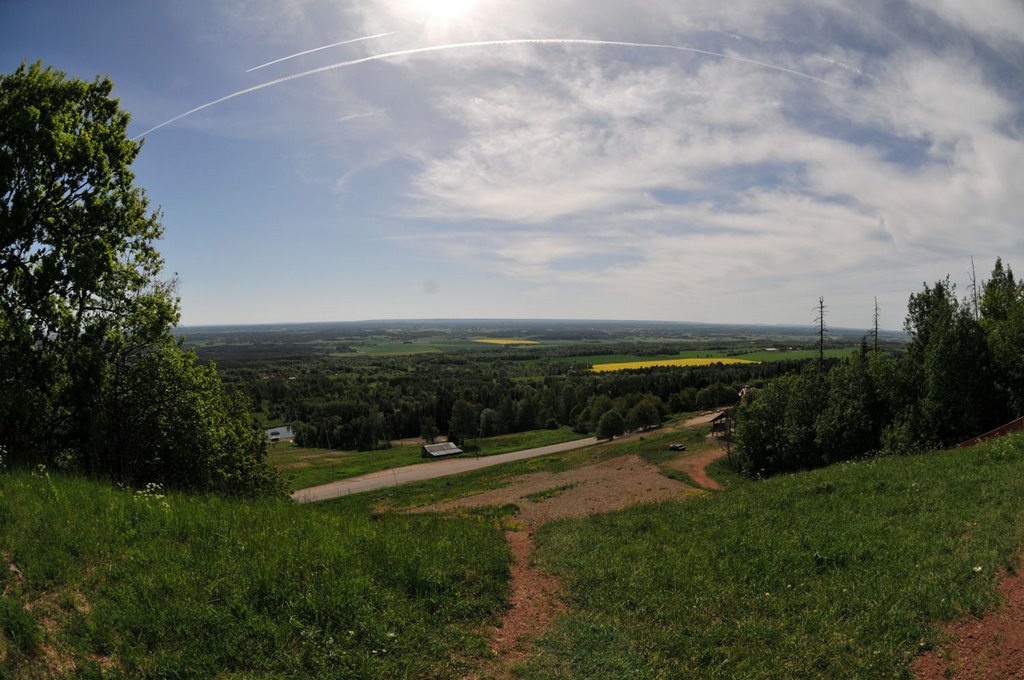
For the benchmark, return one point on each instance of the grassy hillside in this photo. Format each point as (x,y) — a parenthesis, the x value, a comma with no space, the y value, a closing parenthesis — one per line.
(841,572)
(137,585)
(834,573)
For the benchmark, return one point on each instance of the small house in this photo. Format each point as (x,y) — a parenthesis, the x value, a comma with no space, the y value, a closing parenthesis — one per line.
(440,450)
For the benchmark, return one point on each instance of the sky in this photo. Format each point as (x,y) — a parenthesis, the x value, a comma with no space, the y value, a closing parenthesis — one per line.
(674,160)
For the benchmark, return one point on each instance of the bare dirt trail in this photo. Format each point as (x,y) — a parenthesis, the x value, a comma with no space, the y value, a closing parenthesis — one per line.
(990,648)
(542,497)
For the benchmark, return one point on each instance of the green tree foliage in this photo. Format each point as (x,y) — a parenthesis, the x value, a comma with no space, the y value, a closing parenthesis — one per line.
(429,430)
(463,422)
(610,425)
(716,395)
(959,377)
(643,415)
(488,422)
(952,367)
(1002,308)
(849,424)
(92,377)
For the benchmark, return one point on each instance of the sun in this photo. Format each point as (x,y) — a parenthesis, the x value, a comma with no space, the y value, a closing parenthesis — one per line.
(443,11)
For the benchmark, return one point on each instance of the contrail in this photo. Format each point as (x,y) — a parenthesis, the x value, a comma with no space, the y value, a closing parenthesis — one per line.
(488,43)
(354,116)
(317,49)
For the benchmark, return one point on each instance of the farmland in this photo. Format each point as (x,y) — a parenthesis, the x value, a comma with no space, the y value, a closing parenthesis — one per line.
(361,386)
(505,341)
(658,363)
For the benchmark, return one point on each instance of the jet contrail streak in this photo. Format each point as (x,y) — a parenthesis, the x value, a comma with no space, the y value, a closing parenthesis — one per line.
(317,49)
(487,43)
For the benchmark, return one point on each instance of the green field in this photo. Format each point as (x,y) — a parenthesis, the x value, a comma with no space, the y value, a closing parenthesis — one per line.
(385,347)
(123,585)
(305,467)
(841,572)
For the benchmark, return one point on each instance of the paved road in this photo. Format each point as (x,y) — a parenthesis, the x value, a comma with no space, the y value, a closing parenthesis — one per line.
(418,473)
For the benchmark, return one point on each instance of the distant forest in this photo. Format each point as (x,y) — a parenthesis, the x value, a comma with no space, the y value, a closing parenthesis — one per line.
(317,377)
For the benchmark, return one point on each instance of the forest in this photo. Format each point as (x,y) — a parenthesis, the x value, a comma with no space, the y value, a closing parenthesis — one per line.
(363,401)
(961,374)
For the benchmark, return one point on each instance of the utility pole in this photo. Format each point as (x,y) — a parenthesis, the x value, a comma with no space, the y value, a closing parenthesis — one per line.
(876,324)
(820,320)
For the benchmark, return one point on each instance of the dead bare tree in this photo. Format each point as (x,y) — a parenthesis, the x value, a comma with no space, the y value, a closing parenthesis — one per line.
(974,290)
(820,320)
(876,325)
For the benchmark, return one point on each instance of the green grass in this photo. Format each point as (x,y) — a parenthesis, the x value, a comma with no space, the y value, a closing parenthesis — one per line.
(797,354)
(143,586)
(306,467)
(840,572)
(457,486)
(425,346)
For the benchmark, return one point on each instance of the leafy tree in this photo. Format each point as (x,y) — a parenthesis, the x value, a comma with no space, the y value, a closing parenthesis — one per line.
(807,398)
(643,415)
(463,422)
(684,400)
(84,319)
(1002,307)
(950,364)
(1001,294)
(848,426)
(429,430)
(761,442)
(716,395)
(506,415)
(610,425)
(488,422)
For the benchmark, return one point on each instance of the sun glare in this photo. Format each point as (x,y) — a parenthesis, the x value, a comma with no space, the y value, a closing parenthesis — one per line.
(443,11)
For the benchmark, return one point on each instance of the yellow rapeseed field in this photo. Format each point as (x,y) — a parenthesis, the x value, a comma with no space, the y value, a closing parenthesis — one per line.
(700,361)
(505,341)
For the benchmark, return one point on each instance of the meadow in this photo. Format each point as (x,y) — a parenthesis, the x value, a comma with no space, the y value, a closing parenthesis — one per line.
(305,467)
(841,572)
(108,583)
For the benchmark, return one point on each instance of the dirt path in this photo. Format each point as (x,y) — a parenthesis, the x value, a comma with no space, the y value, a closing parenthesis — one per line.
(542,497)
(696,465)
(990,648)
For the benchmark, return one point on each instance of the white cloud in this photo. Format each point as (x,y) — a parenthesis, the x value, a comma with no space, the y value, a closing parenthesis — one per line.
(644,178)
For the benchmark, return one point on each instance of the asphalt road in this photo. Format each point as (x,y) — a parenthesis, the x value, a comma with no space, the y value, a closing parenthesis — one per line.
(433,470)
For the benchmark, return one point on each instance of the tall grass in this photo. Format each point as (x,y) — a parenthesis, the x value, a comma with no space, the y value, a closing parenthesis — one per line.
(122,584)
(840,572)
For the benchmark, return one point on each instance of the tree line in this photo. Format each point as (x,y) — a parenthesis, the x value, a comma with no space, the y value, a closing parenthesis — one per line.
(961,375)
(365,403)
(92,378)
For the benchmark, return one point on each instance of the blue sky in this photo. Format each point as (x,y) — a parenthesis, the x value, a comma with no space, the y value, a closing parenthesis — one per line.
(789,150)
